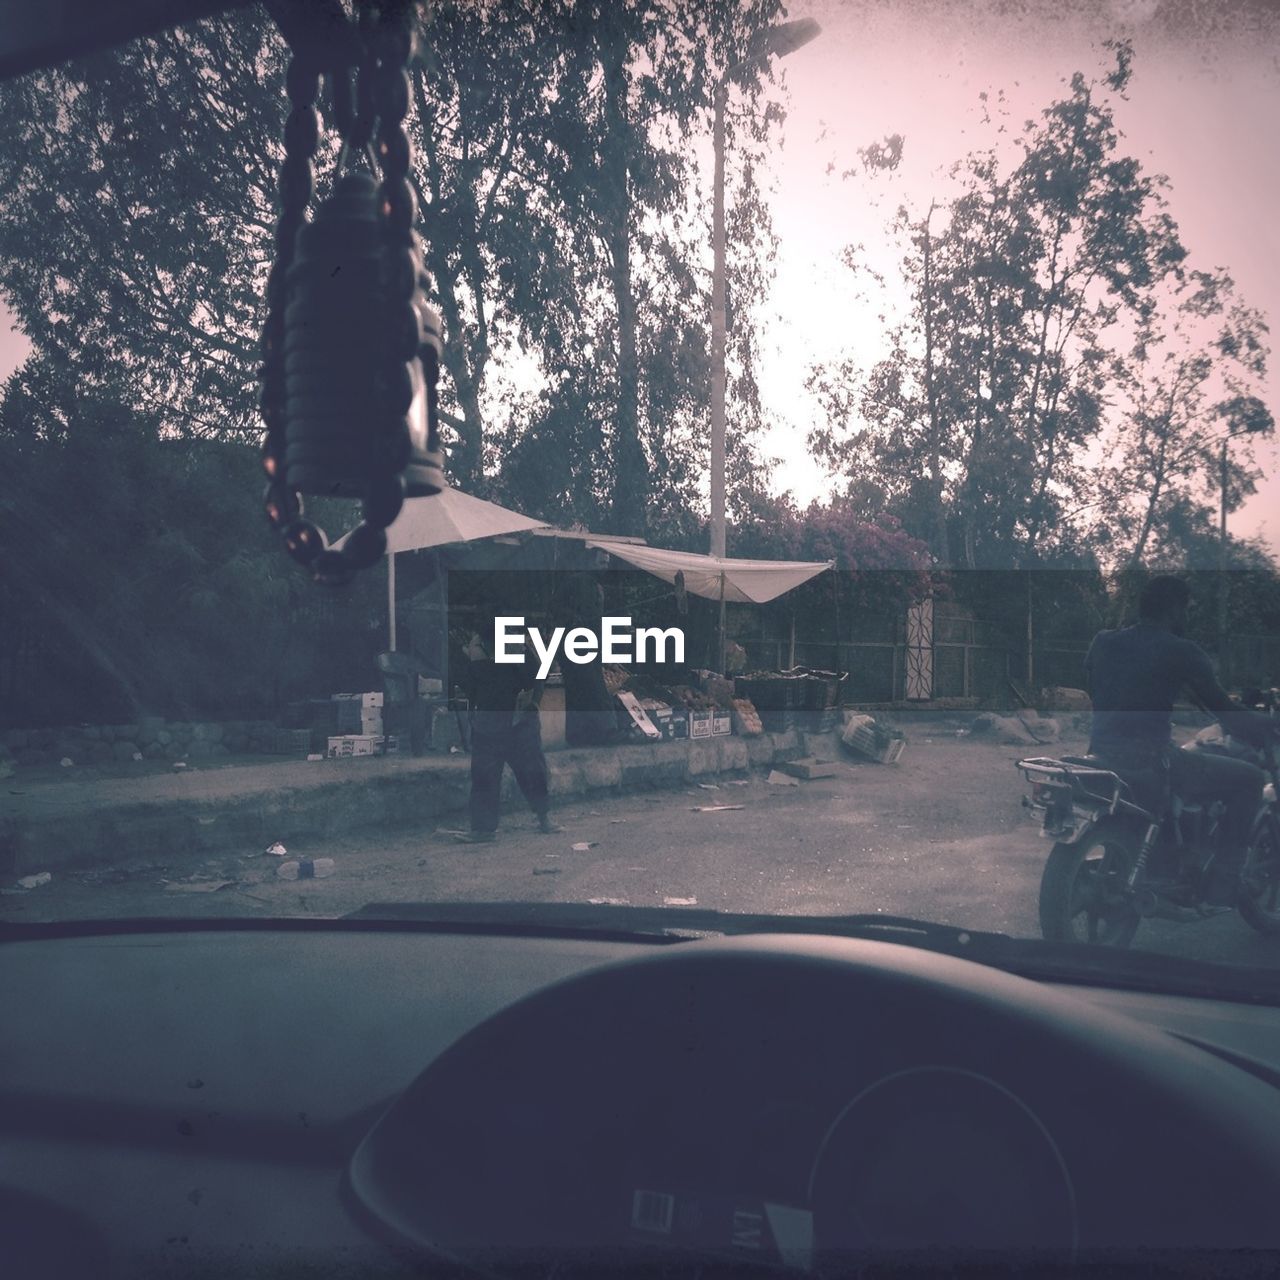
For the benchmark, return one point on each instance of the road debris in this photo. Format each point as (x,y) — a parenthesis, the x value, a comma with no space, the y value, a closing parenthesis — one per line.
(865,736)
(713,808)
(608,902)
(35,882)
(306,869)
(810,768)
(583,845)
(777,778)
(679,902)
(708,786)
(546,871)
(276,850)
(67,762)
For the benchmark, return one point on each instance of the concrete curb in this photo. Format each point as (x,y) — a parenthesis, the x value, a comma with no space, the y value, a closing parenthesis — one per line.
(241,808)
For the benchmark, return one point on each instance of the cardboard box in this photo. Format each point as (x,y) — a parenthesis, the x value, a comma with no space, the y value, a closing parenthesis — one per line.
(672,724)
(638,716)
(701,724)
(360,722)
(348,745)
(366,700)
(358,713)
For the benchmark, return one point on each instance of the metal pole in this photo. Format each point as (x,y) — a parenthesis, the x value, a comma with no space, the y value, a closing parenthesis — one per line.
(722,636)
(718,333)
(1031,661)
(391,596)
(1222,569)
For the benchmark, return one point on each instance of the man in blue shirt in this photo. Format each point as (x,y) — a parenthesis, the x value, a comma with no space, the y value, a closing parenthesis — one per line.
(1134,675)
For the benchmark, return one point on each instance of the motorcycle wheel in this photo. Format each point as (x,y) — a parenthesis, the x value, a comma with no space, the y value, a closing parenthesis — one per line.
(1260,891)
(1082,895)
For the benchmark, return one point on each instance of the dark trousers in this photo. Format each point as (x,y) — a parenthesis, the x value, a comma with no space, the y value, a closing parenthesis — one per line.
(1204,776)
(495,743)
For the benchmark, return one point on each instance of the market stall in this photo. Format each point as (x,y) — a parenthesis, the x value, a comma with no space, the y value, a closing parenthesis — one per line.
(711,704)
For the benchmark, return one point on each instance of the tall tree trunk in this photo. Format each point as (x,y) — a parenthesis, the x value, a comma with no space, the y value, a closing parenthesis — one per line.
(466,457)
(467,371)
(942,547)
(629,497)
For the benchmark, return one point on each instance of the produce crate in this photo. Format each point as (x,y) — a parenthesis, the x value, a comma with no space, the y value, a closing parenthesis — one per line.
(876,743)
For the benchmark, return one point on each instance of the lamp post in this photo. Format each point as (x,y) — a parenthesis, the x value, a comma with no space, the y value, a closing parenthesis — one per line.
(1222,546)
(776,42)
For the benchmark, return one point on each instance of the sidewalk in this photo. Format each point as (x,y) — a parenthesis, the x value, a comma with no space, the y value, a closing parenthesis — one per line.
(77,822)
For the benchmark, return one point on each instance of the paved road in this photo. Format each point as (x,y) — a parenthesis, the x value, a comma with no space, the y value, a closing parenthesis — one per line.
(941,836)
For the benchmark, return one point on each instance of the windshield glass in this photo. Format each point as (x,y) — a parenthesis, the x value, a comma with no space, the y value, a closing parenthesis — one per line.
(814,386)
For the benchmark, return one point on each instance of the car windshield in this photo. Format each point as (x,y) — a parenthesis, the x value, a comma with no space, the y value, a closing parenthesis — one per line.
(814,385)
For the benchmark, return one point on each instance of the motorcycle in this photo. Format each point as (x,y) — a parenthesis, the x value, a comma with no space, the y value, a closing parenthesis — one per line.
(1119,857)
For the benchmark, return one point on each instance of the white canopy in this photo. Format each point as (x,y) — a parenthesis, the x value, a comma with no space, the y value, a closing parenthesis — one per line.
(441,519)
(741,581)
(452,516)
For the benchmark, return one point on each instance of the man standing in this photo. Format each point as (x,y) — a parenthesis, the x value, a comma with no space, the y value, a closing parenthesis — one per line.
(505,730)
(1134,675)
(590,718)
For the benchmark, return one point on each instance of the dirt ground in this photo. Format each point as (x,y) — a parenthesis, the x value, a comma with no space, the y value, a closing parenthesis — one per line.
(941,835)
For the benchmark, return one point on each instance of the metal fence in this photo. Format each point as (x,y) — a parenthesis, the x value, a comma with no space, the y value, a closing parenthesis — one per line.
(876,672)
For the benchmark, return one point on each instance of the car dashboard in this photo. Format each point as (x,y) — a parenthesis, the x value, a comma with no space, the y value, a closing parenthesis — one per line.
(389,1101)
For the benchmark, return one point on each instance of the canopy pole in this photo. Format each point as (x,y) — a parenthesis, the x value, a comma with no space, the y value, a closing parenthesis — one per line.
(722,636)
(391,596)
(835,600)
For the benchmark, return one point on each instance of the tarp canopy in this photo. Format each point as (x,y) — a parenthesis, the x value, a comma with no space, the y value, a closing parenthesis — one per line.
(440,520)
(452,516)
(740,581)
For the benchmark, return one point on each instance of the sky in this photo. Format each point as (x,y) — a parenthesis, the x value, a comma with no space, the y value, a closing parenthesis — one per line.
(1202,108)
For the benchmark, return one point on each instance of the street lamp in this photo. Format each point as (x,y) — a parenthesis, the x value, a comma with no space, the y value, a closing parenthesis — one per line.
(1249,426)
(776,42)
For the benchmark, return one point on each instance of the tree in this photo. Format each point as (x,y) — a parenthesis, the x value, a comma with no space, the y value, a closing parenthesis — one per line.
(622,333)
(974,425)
(136,230)
(1194,374)
(560,213)
(152,583)
(881,567)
